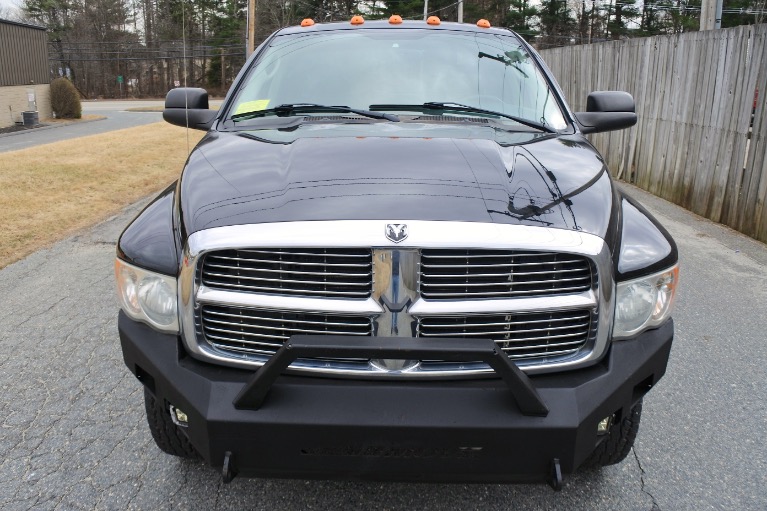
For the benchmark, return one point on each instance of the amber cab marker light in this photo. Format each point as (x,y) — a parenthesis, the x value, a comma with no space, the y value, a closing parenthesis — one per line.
(395,19)
(308,22)
(357,20)
(483,23)
(433,20)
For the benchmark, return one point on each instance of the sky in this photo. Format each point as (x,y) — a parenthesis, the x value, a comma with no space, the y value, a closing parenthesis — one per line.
(10,3)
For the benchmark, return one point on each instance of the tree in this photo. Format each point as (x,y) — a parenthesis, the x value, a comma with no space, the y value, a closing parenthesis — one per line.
(682,16)
(153,44)
(651,21)
(751,12)
(620,15)
(56,15)
(556,23)
(521,18)
(11,13)
(227,30)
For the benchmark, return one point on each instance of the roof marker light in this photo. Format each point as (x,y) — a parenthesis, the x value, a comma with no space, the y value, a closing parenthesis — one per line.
(483,23)
(395,19)
(357,20)
(433,20)
(307,22)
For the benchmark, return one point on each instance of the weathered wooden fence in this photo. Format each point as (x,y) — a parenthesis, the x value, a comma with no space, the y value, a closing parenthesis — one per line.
(699,141)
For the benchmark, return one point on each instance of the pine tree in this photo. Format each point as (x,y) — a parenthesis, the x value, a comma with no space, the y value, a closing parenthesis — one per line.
(682,16)
(651,22)
(557,25)
(620,15)
(226,31)
(521,18)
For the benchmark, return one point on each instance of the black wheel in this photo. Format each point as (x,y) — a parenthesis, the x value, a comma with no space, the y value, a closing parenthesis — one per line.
(619,441)
(166,434)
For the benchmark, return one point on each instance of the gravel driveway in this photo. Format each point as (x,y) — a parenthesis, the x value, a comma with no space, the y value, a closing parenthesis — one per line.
(73,433)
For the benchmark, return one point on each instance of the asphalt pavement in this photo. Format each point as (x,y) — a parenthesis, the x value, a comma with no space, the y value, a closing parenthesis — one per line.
(73,433)
(116,116)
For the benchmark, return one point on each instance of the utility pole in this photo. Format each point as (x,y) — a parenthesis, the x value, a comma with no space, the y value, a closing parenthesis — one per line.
(718,16)
(711,14)
(251,46)
(460,11)
(223,70)
(425,9)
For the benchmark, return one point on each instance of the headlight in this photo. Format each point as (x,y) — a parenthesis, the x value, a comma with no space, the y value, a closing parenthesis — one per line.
(147,296)
(644,303)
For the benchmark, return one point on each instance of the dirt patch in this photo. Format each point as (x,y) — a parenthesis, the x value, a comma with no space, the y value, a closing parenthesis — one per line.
(53,190)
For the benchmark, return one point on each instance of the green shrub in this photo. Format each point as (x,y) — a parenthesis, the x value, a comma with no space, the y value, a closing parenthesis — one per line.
(65,100)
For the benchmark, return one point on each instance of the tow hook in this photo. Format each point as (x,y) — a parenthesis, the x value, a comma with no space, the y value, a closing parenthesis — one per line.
(555,480)
(228,471)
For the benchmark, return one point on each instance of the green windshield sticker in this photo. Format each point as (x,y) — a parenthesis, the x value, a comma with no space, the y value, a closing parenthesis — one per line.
(252,106)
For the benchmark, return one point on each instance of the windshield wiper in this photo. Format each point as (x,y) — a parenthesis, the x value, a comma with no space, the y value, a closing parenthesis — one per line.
(511,59)
(291,108)
(459,107)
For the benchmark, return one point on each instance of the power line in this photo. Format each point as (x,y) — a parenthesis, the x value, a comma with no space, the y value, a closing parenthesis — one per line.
(159,41)
(147,53)
(175,57)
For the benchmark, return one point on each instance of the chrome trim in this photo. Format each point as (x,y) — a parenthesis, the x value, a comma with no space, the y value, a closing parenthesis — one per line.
(422,234)
(395,287)
(531,322)
(287,303)
(503,332)
(367,233)
(586,300)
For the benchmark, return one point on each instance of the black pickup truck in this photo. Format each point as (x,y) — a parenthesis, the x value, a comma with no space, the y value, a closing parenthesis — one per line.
(395,256)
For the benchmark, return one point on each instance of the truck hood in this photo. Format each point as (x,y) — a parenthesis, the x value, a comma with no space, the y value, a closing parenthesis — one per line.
(525,178)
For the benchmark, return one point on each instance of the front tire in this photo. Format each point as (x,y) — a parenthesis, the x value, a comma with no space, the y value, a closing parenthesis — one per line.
(620,439)
(168,437)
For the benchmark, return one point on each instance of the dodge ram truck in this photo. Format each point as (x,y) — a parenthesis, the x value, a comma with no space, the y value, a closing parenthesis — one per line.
(395,255)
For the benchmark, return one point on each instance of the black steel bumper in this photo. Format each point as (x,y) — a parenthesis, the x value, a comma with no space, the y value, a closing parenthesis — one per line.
(468,430)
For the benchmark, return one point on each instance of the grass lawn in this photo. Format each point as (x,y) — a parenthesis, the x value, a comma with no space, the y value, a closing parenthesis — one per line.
(52,190)
(158,108)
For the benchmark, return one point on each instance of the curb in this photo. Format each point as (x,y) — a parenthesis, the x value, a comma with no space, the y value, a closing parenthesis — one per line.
(50,127)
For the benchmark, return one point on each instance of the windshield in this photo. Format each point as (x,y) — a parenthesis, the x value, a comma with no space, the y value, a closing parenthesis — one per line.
(360,68)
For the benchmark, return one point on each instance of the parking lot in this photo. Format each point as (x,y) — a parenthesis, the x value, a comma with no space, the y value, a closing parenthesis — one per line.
(73,432)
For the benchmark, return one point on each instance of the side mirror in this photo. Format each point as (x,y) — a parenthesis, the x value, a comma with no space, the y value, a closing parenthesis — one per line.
(607,111)
(187,103)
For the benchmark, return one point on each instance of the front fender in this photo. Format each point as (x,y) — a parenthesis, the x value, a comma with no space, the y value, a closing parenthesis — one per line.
(149,241)
(645,245)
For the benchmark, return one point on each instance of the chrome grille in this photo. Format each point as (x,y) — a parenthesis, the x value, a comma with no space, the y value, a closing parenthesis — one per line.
(475,274)
(332,273)
(521,336)
(241,314)
(262,332)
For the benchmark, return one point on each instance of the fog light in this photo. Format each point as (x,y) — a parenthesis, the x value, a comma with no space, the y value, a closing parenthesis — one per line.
(179,418)
(604,425)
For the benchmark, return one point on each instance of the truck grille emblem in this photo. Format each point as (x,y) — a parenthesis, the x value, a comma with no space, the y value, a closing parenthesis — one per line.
(396,232)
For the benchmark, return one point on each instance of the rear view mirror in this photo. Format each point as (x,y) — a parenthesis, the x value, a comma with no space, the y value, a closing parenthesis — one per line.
(188,106)
(607,111)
